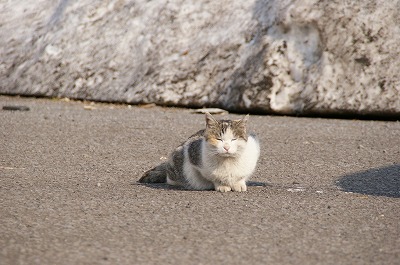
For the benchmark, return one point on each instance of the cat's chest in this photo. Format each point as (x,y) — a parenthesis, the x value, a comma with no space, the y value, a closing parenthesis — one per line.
(228,167)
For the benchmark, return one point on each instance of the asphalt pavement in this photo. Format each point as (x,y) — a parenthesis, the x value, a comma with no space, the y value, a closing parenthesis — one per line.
(326,191)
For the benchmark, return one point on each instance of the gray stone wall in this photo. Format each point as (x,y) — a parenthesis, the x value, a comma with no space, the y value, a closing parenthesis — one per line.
(287,57)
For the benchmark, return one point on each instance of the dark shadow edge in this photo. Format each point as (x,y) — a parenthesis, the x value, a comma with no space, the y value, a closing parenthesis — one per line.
(383,181)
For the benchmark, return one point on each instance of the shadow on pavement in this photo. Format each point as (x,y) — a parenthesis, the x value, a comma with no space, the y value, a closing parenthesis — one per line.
(384,181)
(164,186)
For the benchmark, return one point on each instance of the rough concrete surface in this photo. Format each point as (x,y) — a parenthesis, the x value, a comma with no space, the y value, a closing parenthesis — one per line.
(326,191)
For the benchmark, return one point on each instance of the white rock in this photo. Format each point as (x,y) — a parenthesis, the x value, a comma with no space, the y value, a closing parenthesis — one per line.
(289,57)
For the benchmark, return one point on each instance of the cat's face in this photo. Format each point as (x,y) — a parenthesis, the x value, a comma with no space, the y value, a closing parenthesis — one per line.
(226,138)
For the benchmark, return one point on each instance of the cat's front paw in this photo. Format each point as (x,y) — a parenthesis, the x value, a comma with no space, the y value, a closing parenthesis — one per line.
(240,186)
(222,188)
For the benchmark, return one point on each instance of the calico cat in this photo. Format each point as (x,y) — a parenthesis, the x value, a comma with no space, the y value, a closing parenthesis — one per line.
(221,157)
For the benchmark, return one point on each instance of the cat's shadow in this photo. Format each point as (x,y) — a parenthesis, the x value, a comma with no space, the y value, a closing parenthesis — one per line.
(164,186)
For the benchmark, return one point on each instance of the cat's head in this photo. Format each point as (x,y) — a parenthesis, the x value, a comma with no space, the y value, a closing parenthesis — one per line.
(226,138)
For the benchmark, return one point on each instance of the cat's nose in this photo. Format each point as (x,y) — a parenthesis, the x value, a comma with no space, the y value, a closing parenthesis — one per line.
(226,147)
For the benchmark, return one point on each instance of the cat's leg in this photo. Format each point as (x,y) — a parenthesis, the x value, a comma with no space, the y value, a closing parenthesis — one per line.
(221,187)
(240,186)
(172,182)
(195,180)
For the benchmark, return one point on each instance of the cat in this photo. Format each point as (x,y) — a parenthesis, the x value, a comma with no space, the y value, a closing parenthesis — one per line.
(221,157)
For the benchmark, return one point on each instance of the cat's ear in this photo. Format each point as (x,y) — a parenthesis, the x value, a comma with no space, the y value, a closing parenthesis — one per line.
(210,121)
(245,119)
(240,127)
(243,122)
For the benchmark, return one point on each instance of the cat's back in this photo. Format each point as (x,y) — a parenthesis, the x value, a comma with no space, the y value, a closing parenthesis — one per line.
(252,151)
(193,147)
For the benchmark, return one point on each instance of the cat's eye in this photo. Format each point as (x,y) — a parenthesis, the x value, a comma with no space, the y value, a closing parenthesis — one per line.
(234,139)
(219,139)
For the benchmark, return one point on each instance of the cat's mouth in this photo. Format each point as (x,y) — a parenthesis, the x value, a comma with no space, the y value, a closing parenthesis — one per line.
(227,154)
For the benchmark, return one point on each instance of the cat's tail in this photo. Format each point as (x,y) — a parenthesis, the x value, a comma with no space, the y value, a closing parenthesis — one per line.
(155,175)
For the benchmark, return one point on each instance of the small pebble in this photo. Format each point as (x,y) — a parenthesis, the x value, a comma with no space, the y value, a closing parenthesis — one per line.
(210,110)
